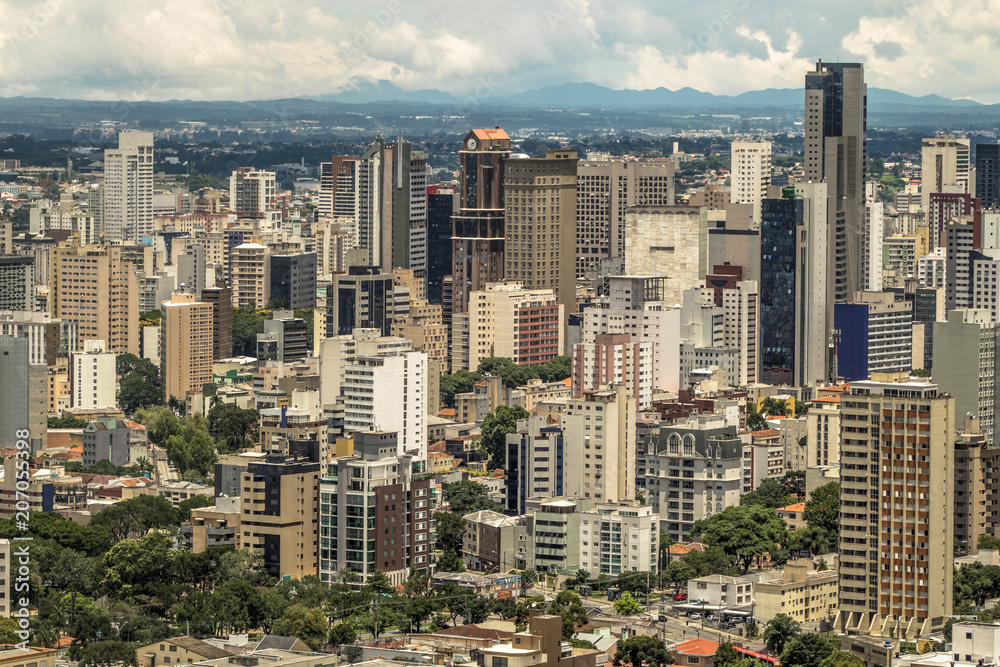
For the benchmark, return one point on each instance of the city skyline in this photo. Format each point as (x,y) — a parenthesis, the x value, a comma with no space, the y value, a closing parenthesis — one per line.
(251,49)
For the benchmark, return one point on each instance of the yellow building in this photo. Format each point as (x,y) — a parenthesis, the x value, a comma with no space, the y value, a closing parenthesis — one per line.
(798,590)
(27,657)
(178,651)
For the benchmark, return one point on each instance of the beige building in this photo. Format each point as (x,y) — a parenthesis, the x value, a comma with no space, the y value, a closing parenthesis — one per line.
(178,651)
(27,657)
(218,525)
(510,320)
(669,241)
(907,430)
(251,275)
(977,485)
(600,460)
(798,590)
(540,646)
(538,390)
(94,287)
(5,573)
(751,174)
(540,225)
(186,344)
(823,431)
(423,326)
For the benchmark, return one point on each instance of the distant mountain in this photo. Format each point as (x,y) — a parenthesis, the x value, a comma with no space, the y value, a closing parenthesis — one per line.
(365,91)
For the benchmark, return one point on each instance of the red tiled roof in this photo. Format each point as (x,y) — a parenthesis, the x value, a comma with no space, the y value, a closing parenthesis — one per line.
(796,507)
(697,647)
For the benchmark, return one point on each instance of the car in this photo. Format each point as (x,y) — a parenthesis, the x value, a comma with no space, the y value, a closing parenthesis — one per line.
(695,615)
(679,597)
(644,618)
(662,618)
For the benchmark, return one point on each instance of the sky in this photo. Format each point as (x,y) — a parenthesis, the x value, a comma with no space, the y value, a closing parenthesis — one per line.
(265,49)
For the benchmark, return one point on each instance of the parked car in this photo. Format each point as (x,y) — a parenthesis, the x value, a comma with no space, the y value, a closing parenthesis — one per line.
(695,615)
(680,597)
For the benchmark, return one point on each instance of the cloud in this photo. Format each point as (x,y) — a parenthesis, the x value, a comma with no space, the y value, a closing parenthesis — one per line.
(246,49)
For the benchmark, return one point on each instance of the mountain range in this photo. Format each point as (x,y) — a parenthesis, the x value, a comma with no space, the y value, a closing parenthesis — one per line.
(591,95)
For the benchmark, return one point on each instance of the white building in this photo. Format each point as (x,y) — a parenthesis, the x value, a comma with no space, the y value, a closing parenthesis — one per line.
(601,453)
(931,269)
(337,352)
(719,591)
(750,167)
(389,392)
(616,538)
(253,194)
(92,376)
(741,309)
(509,320)
(128,188)
(669,241)
(874,233)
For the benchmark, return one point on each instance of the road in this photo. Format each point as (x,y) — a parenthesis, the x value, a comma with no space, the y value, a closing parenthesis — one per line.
(163,471)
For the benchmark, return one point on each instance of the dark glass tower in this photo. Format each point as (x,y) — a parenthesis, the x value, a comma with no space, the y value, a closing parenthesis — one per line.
(988,174)
(779,218)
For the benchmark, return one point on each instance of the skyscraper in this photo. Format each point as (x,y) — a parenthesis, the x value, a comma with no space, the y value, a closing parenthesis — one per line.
(835,151)
(17,282)
(988,174)
(338,187)
(478,226)
(751,174)
(128,188)
(252,193)
(186,345)
(441,206)
(944,167)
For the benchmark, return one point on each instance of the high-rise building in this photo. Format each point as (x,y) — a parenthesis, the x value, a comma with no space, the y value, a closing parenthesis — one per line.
(24,409)
(692,470)
(535,462)
(977,485)
(960,255)
(251,271)
(945,208)
(965,366)
(614,359)
(751,174)
(604,188)
(293,280)
(17,282)
(48,339)
(876,336)
(389,392)
(988,174)
(823,432)
(187,345)
(289,336)
(6,238)
(600,462)
(364,298)
(94,287)
(376,511)
(896,508)
(944,167)
(741,309)
(874,233)
(619,537)
(540,239)
(127,192)
(423,326)
(508,320)
(836,107)
(392,206)
(338,187)
(92,377)
(670,241)
(253,194)
(337,352)
(478,226)
(221,298)
(442,203)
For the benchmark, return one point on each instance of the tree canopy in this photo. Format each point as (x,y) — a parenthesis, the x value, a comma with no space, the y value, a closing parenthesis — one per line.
(779,631)
(468,496)
(642,650)
(495,428)
(745,531)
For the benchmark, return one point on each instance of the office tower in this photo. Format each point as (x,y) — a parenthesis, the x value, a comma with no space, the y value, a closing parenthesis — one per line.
(635,305)
(251,271)
(26,407)
(127,193)
(896,508)
(988,174)
(946,208)
(604,188)
(106,439)
(535,460)
(338,187)
(17,282)
(442,203)
(288,335)
(48,339)
(835,151)
(736,244)
(280,495)
(601,462)
(252,194)
(741,310)
(94,287)
(977,485)
(385,523)
(614,359)
(669,240)
(336,352)
(702,338)
(478,226)
(874,233)
(960,254)
(508,320)
(187,345)
(965,366)
(540,241)
(392,206)
(944,167)
(693,469)
(389,392)
(795,307)
(293,280)
(221,298)
(191,269)
(876,336)
(751,174)
(364,298)
(92,377)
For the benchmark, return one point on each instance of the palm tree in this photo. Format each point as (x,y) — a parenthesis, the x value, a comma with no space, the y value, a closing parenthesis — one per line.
(143,465)
(778,631)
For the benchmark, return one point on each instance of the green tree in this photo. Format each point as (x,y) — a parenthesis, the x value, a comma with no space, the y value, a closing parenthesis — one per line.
(307,623)
(247,323)
(921,372)
(450,529)
(778,632)
(417,610)
(185,506)
(459,382)
(988,542)
(769,493)
(627,605)
(138,516)
(568,605)
(640,651)
(808,650)
(233,428)
(823,507)
(469,496)
(773,407)
(513,375)
(842,659)
(554,370)
(134,392)
(351,653)
(794,482)
(744,532)
(67,422)
(129,364)
(343,633)
(815,540)
(135,566)
(755,421)
(107,653)
(192,448)
(725,655)
(495,428)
